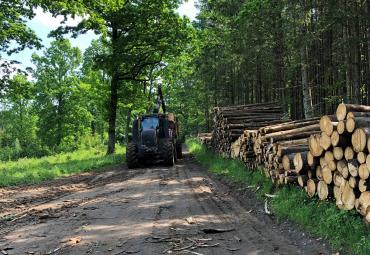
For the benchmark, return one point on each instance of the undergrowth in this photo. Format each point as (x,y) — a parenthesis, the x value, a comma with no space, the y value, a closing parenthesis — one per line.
(35,170)
(343,230)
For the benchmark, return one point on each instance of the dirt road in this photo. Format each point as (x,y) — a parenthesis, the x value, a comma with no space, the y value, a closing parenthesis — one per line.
(155,210)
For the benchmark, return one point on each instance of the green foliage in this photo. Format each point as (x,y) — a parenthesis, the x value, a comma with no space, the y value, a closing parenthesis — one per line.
(27,171)
(344,230)
(61,101)
(137,36)
(18,123)
(15,35)
(13,26)
(186,95)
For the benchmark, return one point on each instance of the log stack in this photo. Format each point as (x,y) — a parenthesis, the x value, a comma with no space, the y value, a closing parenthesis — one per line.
(329,156)
(243,148)
(339,159)
(230,123)
(281,150)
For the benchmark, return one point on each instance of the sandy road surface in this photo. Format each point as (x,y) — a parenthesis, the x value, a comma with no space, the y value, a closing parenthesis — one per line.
(155,210)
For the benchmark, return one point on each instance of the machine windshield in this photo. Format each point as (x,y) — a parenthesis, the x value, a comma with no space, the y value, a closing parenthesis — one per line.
(149,123)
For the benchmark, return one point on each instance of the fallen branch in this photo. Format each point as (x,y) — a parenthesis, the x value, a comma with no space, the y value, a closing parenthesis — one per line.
(216,230)
(266,209)
(270,196)
(208,245)
(193,252)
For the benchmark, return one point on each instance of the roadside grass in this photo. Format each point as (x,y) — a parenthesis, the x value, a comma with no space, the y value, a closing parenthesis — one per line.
(32,170)
(344,231)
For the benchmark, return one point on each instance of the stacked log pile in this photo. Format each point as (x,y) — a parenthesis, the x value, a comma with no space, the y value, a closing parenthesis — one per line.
(230,123)
(281,150)
(329,156)
(243,148)
(339,159)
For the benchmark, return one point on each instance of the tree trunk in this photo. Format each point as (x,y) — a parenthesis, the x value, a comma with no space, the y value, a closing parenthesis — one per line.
(348,64)
(356,62)
(128,122)
(113,102)
(60,114)
(307,99)
(112,113)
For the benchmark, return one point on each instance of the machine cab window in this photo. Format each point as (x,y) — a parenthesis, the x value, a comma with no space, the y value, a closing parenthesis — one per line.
(149,123)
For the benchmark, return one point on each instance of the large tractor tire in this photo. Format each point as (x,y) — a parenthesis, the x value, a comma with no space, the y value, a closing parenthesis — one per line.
(178,149)
(132,159)
(168,153)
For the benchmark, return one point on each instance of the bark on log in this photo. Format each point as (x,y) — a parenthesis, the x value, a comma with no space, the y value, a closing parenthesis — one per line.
(295,136)
(357,114)
(310,128)
(289,125)
(283,150)
(343,109)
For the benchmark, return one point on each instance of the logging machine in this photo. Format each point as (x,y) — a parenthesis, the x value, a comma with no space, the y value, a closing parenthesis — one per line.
(155,137)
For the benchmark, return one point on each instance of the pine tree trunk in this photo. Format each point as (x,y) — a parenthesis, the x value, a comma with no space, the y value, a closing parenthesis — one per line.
(307,99)
(113,102)
(128,122)
(112,112)
(356,62)
(348,64)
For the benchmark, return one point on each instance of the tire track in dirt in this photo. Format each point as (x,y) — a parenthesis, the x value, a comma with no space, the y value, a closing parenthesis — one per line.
(156,210)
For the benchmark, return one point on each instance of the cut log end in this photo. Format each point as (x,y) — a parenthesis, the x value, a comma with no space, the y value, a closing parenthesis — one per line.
(314,145)
(311,187)
(341,112)
(341,127)
(350,125)
(359,140)
(326,125)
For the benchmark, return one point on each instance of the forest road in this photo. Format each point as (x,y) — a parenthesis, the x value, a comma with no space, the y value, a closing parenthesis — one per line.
(154,210)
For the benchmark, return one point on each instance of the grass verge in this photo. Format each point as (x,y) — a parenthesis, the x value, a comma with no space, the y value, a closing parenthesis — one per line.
(341,229)
(27,171)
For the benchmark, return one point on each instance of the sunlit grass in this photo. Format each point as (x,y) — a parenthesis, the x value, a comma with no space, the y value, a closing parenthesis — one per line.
(343,230)
(25,171)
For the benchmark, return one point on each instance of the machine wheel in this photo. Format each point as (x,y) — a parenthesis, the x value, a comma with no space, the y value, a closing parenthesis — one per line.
(178,149)
(131,156)
(168,153)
